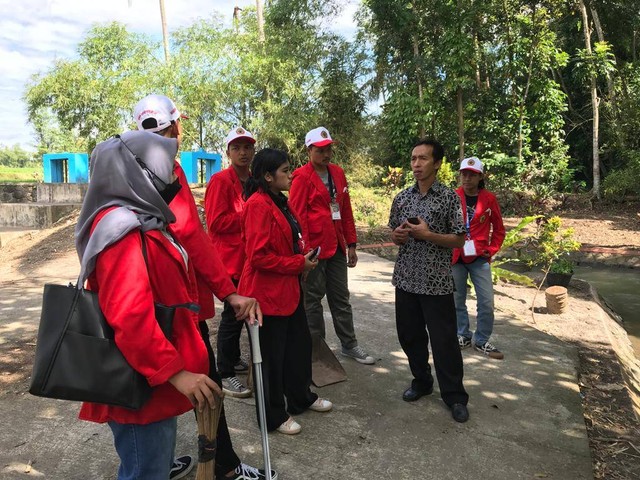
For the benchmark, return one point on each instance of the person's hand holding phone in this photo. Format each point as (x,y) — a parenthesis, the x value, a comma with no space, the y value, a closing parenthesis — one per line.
(311,260)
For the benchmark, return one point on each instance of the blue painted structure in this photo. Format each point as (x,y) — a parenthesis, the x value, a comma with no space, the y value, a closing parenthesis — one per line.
(66,167)
(200,166)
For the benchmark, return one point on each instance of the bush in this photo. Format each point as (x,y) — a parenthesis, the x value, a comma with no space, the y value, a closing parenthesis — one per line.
(371,206)
(624,181)
(363,172)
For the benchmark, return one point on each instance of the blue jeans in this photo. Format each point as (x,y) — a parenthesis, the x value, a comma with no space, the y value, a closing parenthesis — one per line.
(145,451)
(480,272)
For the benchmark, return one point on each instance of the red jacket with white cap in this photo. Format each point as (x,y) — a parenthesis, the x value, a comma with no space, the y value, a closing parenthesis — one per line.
(310,199)
(487,229)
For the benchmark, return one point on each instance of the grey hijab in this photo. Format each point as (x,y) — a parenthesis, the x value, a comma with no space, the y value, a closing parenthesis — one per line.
(118,179)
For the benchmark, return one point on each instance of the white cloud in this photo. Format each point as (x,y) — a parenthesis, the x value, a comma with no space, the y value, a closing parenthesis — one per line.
(34,33)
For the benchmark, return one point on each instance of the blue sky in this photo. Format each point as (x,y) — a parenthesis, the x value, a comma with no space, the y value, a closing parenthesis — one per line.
(34,33)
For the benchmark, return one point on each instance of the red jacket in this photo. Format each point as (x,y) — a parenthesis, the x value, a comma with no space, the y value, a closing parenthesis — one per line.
(210,272)
(310,198)
(271,269)
(223,204)
(487,229)
(127,288)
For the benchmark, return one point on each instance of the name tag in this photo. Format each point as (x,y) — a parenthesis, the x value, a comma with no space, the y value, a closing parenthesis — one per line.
(469,249)
(335,211)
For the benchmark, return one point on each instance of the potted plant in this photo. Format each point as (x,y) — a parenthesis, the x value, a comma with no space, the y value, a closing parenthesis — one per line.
(553,247)
(560,272)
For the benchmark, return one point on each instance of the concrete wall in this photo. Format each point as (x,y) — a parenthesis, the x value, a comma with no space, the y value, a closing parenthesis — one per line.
(33,215)
(61,192)
(18,192)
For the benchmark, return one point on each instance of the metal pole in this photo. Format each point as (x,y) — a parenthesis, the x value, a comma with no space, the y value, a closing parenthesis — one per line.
(257,364)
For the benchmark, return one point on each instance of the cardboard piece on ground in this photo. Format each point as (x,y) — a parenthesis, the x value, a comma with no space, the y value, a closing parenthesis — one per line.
(325,367)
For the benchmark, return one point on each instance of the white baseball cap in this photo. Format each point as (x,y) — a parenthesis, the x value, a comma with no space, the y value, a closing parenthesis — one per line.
(239,132)
(472,163)
(155,112)
(318,137)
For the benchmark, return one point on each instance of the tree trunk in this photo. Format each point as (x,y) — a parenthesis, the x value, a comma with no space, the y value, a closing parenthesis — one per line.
(595,103)
(165,36)
(260,15)
(460,122)
(416,57)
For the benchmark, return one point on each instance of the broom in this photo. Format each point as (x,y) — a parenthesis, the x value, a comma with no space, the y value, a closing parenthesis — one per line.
(207,444)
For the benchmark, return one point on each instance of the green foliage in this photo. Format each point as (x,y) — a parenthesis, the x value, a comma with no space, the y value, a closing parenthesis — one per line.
(515,241)
(563,266)
(92,98)
(371,207)
(553,244)
(17,157)
(625,181)
(361,171)
(448,174)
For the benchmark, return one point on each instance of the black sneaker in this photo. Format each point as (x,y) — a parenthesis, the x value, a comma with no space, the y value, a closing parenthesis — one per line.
(464,342)
(181,467)
(489,350)
(247,472)
(241,366)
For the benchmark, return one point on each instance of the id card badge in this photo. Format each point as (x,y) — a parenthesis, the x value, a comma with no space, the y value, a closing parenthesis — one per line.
(335,211)
(469,249)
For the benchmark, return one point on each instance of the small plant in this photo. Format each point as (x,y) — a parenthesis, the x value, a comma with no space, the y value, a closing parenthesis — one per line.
(563,266)
(554,245)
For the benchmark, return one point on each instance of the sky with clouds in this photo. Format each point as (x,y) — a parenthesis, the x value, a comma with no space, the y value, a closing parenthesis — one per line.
(34,33)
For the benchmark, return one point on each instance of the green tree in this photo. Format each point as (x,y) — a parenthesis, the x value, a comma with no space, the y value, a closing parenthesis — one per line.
(92,97)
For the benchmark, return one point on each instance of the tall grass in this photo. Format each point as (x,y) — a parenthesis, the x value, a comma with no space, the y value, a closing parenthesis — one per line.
(21,174)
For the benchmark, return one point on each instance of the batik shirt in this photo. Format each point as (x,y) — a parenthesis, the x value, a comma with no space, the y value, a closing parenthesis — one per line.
(423,267)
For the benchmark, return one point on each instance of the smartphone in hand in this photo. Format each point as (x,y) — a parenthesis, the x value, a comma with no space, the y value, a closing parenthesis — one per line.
(315,253)
(414,220)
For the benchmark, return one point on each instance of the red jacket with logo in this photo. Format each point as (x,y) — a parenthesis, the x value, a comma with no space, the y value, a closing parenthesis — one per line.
(211,274)
(223,204)
(487,229)
(271,270)
(127,288)
(310,198)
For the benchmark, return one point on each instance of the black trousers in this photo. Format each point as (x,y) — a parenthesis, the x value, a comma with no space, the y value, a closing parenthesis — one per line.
(228,343)
(226,458)
(419,317)
(285,345)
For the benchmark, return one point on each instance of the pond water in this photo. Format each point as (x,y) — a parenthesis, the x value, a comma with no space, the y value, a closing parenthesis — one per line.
(621,288)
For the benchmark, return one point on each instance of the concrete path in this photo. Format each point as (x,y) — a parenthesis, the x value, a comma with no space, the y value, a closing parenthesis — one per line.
(526,415)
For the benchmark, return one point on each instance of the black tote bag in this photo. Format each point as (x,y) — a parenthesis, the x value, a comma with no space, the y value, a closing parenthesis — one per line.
(76,356)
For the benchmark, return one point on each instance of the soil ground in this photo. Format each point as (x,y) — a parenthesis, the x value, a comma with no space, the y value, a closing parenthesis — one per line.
(612,424)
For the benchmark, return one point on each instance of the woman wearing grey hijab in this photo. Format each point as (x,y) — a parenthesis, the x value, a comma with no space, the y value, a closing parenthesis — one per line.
(130,258)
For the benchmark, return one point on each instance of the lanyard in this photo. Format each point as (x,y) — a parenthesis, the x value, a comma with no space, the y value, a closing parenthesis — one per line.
(332,188)
(467,220)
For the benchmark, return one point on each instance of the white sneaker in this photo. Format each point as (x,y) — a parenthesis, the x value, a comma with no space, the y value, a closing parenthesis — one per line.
(358,354)
(290,427)
(321,405)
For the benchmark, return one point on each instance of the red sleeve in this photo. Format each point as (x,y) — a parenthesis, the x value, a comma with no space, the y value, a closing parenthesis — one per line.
(348,223)
(126,300)
(498,231)
(260,235)
(220,213)
(191,235)
(298,201)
